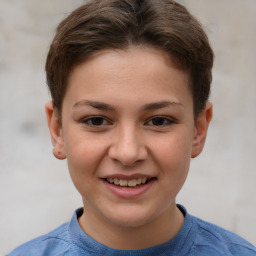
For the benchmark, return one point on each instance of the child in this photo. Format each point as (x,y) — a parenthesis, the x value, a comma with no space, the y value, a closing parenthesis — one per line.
(130,82)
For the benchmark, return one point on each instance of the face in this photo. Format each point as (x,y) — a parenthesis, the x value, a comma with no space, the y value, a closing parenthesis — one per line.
(128,134)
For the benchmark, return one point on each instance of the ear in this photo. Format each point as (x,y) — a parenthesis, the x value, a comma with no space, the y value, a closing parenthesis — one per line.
(201,128)
(55,131)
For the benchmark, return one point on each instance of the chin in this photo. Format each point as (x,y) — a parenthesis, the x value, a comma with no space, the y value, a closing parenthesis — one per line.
(131,218)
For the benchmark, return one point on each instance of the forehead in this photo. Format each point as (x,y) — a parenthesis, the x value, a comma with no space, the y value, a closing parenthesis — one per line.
(139,72)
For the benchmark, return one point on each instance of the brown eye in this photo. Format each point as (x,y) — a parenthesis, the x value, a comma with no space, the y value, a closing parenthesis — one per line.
(160,121)
(96,121)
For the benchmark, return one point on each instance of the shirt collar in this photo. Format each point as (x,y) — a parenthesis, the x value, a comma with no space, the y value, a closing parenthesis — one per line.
(88,244)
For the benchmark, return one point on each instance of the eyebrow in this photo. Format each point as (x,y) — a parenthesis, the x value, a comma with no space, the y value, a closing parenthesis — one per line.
(94,104)
(161,104)
(146,107)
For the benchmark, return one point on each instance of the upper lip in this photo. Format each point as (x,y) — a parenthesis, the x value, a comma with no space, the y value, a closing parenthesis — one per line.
(127,177)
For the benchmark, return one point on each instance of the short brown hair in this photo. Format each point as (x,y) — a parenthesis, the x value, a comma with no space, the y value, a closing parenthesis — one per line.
(117,24)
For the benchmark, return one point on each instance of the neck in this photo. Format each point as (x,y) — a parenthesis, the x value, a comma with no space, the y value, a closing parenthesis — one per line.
(158,231)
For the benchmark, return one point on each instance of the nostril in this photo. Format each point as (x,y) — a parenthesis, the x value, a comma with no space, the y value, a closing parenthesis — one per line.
(128,155)
(127,150)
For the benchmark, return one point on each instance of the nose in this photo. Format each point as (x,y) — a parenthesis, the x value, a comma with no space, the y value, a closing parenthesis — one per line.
(128,147)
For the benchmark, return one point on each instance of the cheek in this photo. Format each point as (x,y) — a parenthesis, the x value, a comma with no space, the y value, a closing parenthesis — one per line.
(173,157)
(83,159)
(83,156)
(174,172)
(80,147)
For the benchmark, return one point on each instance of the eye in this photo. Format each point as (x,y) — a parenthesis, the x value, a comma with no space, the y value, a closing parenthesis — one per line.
(160,121)
(96,121)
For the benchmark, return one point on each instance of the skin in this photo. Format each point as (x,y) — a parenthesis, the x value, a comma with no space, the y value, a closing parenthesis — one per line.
(129,135)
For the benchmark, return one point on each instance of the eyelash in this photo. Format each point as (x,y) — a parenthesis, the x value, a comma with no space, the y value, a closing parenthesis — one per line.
(165,121)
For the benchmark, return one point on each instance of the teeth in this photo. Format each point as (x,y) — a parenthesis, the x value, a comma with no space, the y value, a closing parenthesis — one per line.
(138,181)
(129,183)
(132,183)
(123,183)
(143,180)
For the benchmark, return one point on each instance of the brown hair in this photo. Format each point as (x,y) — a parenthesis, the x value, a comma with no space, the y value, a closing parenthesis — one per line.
(116,24)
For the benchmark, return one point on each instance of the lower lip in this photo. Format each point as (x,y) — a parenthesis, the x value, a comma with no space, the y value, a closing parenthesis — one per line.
(129,192)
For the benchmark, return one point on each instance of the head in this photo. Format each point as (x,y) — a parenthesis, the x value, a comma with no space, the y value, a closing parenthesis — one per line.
(129,81)
(113,24)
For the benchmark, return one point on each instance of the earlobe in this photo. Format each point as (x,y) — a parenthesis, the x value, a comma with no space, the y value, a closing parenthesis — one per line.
(201,128)
(55,131)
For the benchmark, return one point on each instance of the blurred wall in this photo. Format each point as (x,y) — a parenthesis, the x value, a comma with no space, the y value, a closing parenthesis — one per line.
(36,193)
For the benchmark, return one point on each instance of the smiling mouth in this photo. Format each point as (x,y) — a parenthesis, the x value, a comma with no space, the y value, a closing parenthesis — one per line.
(128,183)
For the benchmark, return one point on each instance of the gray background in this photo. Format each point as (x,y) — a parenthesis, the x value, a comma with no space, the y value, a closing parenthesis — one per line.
(36,194)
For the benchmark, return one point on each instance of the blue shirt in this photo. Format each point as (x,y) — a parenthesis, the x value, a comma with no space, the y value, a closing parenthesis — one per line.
(196,238)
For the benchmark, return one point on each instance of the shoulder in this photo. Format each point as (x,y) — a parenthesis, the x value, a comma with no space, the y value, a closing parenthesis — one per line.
(55,242)
(218,241)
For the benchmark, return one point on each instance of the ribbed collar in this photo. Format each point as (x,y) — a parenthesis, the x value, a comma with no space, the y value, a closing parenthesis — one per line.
(175,246)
